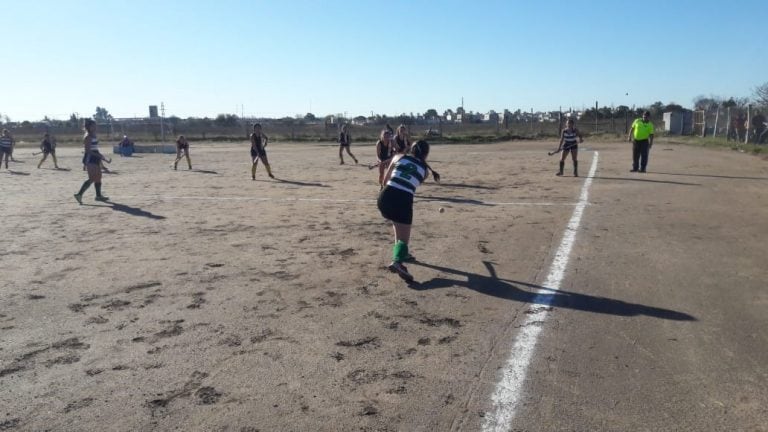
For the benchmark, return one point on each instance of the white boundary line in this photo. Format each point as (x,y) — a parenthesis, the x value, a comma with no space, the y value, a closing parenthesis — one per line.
(337,200)
(509,389)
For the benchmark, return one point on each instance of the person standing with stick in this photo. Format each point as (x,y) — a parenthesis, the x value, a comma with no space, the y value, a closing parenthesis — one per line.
(258,151)
(641,136)
(92,161)
(383,154)
(344,142)
(6,146)
(48,146)
(569,144)
(182,146)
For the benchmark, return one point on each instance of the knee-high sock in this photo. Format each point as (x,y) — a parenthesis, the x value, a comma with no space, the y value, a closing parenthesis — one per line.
(399,251)
(84,187)
(98,188)
(269,169)
(253,170)
(575,167)
(562,165)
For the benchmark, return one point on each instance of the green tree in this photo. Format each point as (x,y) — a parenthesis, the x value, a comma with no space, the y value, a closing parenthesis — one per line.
(102,115)
(431,113)
(310,117)
(761,94)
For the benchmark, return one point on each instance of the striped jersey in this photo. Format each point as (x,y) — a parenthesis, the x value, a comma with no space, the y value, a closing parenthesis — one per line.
(94,144)
(407,174)
(570,137)
(6,141)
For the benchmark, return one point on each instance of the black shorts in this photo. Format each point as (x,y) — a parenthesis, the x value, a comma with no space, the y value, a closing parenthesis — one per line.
(49,150)
(260,153)
(396,205)
(182,146)
(92,158)
(6,150)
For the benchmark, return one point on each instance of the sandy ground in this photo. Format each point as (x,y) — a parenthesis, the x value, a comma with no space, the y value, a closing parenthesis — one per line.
(202,300)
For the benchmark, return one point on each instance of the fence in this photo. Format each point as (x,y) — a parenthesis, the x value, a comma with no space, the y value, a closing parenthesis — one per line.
(145,130)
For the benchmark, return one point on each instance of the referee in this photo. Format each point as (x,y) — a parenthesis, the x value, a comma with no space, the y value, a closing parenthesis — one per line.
(641,135)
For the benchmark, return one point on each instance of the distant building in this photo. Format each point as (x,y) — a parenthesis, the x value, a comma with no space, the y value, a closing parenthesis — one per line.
(678,122)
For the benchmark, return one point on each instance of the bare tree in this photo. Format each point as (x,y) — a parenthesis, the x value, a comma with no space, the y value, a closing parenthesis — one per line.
(761,94)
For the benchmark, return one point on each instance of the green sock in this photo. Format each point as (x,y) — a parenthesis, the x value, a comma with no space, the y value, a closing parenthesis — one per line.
(399,251)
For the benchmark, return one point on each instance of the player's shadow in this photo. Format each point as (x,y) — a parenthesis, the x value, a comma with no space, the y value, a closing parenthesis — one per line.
(203,171)
(299,183)
(21,173)
(709,175)
(452,200)
(526,292)
(647,180)
(133,211)
(464,185)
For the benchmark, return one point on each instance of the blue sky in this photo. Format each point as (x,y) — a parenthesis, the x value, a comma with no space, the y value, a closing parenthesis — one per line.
(282,58)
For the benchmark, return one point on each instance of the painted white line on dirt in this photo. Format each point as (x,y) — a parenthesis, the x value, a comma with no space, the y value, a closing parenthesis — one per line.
(457,201)
(509,389)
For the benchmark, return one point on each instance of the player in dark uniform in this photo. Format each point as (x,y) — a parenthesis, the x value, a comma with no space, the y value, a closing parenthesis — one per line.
(6,146)
(92,160)
(395,202)
(383,154)
(344,142)
(48,147)
(258,151)
(182,145)
(402,140)
(570,138)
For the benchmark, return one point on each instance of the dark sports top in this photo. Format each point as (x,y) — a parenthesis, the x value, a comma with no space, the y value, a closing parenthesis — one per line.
(256,142)
(400,144)
(94,144)
(344,138)
(570,137)
(408,174)
(6,141)
(383,152)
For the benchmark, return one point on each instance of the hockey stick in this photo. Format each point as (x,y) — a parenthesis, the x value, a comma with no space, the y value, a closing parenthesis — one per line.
(561,149)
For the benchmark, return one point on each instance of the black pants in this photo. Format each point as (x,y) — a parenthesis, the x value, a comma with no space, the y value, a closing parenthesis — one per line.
(640,150)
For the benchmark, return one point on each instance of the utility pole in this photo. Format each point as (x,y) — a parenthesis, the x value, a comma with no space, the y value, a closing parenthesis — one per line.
(162,116)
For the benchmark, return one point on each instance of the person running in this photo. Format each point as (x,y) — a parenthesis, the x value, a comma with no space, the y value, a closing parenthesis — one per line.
(182,145)
(6,147)
(258,151)
(641,135)
(569,144)
(48,147)
(383,154)
(405,173)
(402,140)
(344,142)
(92,161)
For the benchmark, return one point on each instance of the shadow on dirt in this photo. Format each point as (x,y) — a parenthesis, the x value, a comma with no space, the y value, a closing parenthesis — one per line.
(709,175)
(526,292)
(647,180)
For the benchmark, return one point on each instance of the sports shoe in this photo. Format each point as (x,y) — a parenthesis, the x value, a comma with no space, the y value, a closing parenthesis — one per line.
(409,258)
(633,170)
(559,174)
(642,170)
(102,198)
(401,271)
(79,199)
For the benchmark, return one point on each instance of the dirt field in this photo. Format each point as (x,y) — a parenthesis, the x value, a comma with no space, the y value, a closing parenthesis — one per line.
(202,300)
